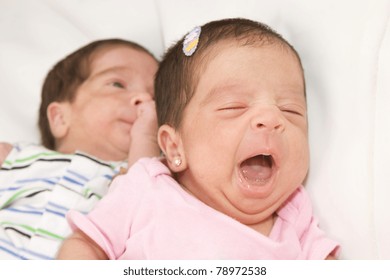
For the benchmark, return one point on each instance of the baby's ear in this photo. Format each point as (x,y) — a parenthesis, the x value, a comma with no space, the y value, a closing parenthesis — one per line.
(171,145)
(58,115)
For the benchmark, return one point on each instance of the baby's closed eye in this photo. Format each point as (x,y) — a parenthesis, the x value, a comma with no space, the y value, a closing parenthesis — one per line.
(293,109)
(232,106)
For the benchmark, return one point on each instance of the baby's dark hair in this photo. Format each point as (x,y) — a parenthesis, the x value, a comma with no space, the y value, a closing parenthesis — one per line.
(63,80)
(179,74)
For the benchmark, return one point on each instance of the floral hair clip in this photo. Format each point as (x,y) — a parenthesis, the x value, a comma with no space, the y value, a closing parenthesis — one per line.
(191,41)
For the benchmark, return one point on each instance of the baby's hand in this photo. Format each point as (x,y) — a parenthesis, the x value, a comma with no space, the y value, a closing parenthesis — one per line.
(144,133)
(146,123)
(5,149)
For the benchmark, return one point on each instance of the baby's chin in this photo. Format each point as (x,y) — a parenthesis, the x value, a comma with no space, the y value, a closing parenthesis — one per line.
(260,218)
(111,152)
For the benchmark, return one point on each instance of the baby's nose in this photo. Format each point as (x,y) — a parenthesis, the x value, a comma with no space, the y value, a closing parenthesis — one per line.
(269,119)
(140,97)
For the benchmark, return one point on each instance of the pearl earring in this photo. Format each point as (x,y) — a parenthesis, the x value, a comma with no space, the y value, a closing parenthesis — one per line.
(177,161)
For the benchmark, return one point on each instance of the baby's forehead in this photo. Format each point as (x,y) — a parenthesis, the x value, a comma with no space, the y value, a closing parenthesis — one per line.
(210,51)
(225,49)
(236,67)
(120,58)
(104,51)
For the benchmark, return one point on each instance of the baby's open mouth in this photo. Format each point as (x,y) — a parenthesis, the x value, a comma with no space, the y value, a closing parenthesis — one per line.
(257,170)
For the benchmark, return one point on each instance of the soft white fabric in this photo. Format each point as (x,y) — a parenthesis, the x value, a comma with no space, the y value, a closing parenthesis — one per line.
(345,49)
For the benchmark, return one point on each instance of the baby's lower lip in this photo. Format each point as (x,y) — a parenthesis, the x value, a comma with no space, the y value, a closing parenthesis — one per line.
(130,123)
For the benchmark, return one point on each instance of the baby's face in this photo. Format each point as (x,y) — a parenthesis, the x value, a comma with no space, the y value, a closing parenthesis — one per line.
(244,133)
(104,110)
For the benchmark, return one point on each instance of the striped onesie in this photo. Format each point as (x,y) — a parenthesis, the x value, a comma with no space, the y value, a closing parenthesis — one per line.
(37,188)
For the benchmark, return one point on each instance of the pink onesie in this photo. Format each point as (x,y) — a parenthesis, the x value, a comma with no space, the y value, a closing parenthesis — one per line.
(147,215)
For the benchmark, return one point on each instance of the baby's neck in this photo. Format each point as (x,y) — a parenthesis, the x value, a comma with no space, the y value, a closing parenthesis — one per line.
(264,227)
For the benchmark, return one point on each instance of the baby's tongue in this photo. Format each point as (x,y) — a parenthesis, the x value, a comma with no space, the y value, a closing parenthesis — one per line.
(257,170)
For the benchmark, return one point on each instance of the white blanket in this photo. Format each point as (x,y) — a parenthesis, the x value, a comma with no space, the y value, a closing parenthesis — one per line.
(345,50)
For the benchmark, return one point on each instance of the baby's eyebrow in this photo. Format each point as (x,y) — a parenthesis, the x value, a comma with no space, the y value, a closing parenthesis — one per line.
(111,70)
(232,90)
(220,92)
